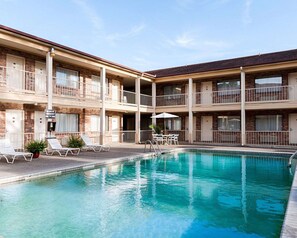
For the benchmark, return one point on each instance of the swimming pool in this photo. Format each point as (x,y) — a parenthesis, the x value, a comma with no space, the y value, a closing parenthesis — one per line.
(185,194)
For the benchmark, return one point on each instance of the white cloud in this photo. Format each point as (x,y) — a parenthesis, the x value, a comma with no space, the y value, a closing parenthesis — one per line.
(89,12)
(185,40)
(247,19)
(135,30)
(191,41)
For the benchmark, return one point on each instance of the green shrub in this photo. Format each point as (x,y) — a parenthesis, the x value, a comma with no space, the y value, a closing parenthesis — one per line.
(36,146)
(155,128)
(75,142)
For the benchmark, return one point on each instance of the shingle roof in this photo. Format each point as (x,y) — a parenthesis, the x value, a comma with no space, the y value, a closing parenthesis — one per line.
(254,60)
(54,44)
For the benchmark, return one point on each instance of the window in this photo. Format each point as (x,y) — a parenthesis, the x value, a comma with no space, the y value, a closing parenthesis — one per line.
(172,92)
(229,123)
(172,89)
(269,123)
(95,84)
(228,87)
(173,124)
(67,122)
(68,78)
(95,123)
(268,84)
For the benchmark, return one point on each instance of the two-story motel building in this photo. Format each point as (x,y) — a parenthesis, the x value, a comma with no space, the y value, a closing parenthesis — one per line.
(243,101)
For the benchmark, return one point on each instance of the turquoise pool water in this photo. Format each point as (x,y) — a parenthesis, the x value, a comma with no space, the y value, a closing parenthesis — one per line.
(193,194)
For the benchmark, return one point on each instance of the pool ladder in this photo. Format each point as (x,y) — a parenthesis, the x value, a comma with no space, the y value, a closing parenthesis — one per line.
(157,149)
(291,158)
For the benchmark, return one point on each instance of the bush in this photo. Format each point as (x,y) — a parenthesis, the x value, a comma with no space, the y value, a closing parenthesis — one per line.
(155,128)
(75,142)
(36,146)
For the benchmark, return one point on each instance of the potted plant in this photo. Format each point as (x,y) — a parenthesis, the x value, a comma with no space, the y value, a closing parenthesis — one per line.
(75,142)
(155,128)
(35,147)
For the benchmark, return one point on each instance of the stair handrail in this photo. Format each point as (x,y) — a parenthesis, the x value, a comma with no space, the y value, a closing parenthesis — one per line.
(152,146)
(291,158)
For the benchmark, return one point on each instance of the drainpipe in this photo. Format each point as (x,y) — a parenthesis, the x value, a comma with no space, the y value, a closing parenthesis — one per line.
(242,86)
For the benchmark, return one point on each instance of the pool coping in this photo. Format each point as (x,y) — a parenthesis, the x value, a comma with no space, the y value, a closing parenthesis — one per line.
(289,227)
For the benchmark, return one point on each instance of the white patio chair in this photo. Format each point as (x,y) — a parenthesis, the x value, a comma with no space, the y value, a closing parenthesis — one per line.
(158,138)
(173,139)
(7,151)
(55,146)
(89,145)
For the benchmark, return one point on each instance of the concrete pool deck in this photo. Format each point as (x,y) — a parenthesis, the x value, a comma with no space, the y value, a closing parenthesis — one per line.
(118,152)
(55,165)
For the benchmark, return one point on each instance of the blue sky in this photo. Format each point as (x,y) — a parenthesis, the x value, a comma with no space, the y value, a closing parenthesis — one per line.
(153,34)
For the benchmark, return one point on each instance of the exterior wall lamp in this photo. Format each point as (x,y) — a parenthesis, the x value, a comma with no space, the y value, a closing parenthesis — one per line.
(52,52)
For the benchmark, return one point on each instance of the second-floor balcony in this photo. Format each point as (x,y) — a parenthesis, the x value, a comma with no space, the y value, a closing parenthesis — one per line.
(172,100)
(263,94)
(16,83)
(217,97)
(19,83)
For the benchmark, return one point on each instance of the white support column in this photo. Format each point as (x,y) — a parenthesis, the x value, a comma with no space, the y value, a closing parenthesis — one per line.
(190,104)
(242,119)
(154,94)
(49,74)
(102,111)
(137,114)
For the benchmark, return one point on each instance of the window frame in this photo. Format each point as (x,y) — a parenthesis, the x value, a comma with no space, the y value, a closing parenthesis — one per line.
(268,89)
(96,84)
(68,80)
(233,91)
(226,120)
(96,119)
(173,124)
(69,119)
(278,120)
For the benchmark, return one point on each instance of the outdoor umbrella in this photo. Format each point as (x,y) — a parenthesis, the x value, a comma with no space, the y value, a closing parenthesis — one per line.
(164,115)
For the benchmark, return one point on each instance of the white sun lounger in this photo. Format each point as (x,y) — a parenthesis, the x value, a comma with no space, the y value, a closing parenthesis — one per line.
(89,145)
(7,151)
(55,146)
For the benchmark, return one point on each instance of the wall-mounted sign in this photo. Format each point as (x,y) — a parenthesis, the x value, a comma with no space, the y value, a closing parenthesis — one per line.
(50,114)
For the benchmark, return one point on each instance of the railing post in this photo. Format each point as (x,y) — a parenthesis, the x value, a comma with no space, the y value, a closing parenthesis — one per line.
(242,85)
(137,114)
(190,102)
(49,73)
(154,120)
(102,111)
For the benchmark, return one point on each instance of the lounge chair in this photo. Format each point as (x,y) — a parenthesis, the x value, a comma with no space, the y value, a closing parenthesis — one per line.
(7,151)
(55,146)
(89,145)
